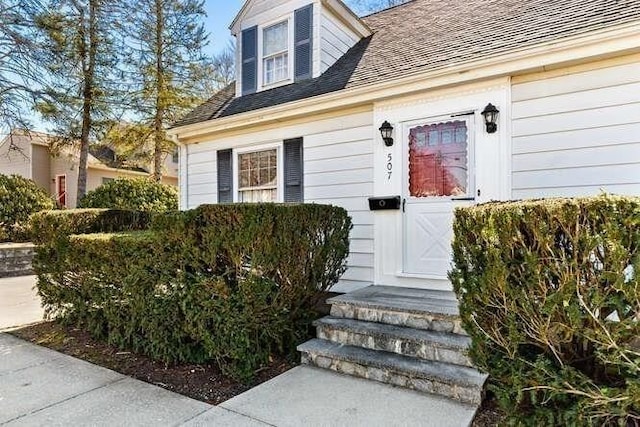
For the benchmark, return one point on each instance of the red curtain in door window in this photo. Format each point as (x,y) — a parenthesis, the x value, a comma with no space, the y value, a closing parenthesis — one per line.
(438,160)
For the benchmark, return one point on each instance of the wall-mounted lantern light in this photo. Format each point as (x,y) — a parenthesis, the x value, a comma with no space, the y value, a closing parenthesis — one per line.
(490,114)
(386,130)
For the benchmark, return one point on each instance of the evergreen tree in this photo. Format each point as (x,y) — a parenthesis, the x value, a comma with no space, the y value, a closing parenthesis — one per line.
(165,39)
(78,48)
(19,76)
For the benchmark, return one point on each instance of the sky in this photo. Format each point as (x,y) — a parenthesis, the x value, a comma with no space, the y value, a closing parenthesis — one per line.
(220,14)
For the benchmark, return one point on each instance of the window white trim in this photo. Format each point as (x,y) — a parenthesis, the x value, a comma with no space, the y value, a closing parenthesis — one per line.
(289,18)
(253,148)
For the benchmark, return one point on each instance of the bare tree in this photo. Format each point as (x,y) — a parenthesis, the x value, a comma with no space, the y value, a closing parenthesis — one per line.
(364,7)
(217,73)
(224,70)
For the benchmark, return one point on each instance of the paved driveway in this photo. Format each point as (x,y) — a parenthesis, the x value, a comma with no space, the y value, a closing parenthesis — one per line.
(19,303)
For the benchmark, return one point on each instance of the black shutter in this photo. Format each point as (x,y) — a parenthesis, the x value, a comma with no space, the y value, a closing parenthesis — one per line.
(293,171)
(249,60)
(303,57)
(225,176)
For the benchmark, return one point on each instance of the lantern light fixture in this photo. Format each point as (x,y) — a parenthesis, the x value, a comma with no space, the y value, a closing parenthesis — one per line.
(386,131)
(490,114)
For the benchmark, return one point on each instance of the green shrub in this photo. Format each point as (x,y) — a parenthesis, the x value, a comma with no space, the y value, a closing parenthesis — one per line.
(232,284)
(132,194)
(549,292)
(19,198)
(49,227)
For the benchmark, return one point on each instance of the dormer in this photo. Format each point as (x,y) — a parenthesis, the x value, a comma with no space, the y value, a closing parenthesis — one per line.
(280,42)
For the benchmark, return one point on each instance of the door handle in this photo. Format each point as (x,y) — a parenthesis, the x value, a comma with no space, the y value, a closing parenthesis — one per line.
(404,204)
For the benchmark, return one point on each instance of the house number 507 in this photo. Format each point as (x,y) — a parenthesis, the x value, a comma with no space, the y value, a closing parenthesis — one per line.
(389,166)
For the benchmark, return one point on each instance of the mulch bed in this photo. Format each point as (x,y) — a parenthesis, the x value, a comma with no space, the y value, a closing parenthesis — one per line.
(489,415)
(201,382)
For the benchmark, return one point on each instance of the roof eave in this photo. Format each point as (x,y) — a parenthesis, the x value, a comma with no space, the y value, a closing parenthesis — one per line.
(597,44)
(240,14)
(348,17)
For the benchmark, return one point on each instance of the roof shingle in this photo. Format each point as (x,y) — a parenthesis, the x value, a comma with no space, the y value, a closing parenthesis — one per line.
(424,35)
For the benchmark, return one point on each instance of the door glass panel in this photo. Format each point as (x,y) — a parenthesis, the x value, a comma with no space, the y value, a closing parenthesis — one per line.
(439,160)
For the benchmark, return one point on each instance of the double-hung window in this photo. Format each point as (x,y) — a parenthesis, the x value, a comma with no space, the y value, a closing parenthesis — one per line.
(275,52)
(271,172)
(258,176)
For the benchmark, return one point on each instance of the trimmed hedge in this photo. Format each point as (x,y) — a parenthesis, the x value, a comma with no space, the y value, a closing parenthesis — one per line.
(19,198)
(52,231)
(49,227)
(132,194)
(549,292)
(233,284)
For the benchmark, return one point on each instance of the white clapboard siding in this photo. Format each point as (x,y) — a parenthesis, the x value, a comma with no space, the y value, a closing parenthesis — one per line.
(577,134)
(581,138)
(577,82)
(580,191)
(349,176)
(338,170)
(349,203)
(363,232)
(342,163)
(337,150)
(335,39)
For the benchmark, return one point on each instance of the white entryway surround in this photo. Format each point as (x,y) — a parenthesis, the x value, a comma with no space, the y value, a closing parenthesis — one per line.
(491,172)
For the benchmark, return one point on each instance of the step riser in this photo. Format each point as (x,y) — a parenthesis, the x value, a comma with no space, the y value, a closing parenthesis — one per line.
(411,348)
(426,322)
(471,396)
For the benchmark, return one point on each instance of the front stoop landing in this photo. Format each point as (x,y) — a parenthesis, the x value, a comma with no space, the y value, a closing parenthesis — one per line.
(405,337)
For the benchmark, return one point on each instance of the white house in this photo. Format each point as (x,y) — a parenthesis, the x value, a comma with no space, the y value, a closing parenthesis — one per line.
(558,81)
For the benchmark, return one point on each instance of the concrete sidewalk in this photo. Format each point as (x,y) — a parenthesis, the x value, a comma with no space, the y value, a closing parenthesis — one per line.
(40,387)
(19,302)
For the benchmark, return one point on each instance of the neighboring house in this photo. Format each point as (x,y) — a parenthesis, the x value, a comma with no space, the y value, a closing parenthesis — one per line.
(315,84)
(28,154)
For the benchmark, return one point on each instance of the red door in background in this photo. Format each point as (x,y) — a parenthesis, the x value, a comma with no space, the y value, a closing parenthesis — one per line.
(62,190)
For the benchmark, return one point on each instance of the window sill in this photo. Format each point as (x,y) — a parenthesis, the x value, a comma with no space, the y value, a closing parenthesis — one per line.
(277,84)
(256,189)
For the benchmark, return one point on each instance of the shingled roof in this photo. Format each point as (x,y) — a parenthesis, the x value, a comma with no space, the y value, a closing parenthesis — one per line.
(424,35)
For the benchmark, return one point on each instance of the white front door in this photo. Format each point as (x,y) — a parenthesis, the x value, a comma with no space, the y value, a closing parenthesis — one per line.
(440,175)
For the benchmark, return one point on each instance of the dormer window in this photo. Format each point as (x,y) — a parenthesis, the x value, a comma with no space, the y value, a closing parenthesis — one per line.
(275,53)
(289,41)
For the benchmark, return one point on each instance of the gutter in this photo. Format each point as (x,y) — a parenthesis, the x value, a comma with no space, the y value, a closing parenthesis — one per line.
(598,44)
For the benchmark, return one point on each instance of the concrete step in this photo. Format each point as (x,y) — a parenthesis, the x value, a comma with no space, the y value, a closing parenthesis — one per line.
(421,344)
(414,308)
(455,382)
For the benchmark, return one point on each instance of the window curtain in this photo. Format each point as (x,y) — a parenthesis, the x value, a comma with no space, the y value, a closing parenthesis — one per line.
(276,39)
